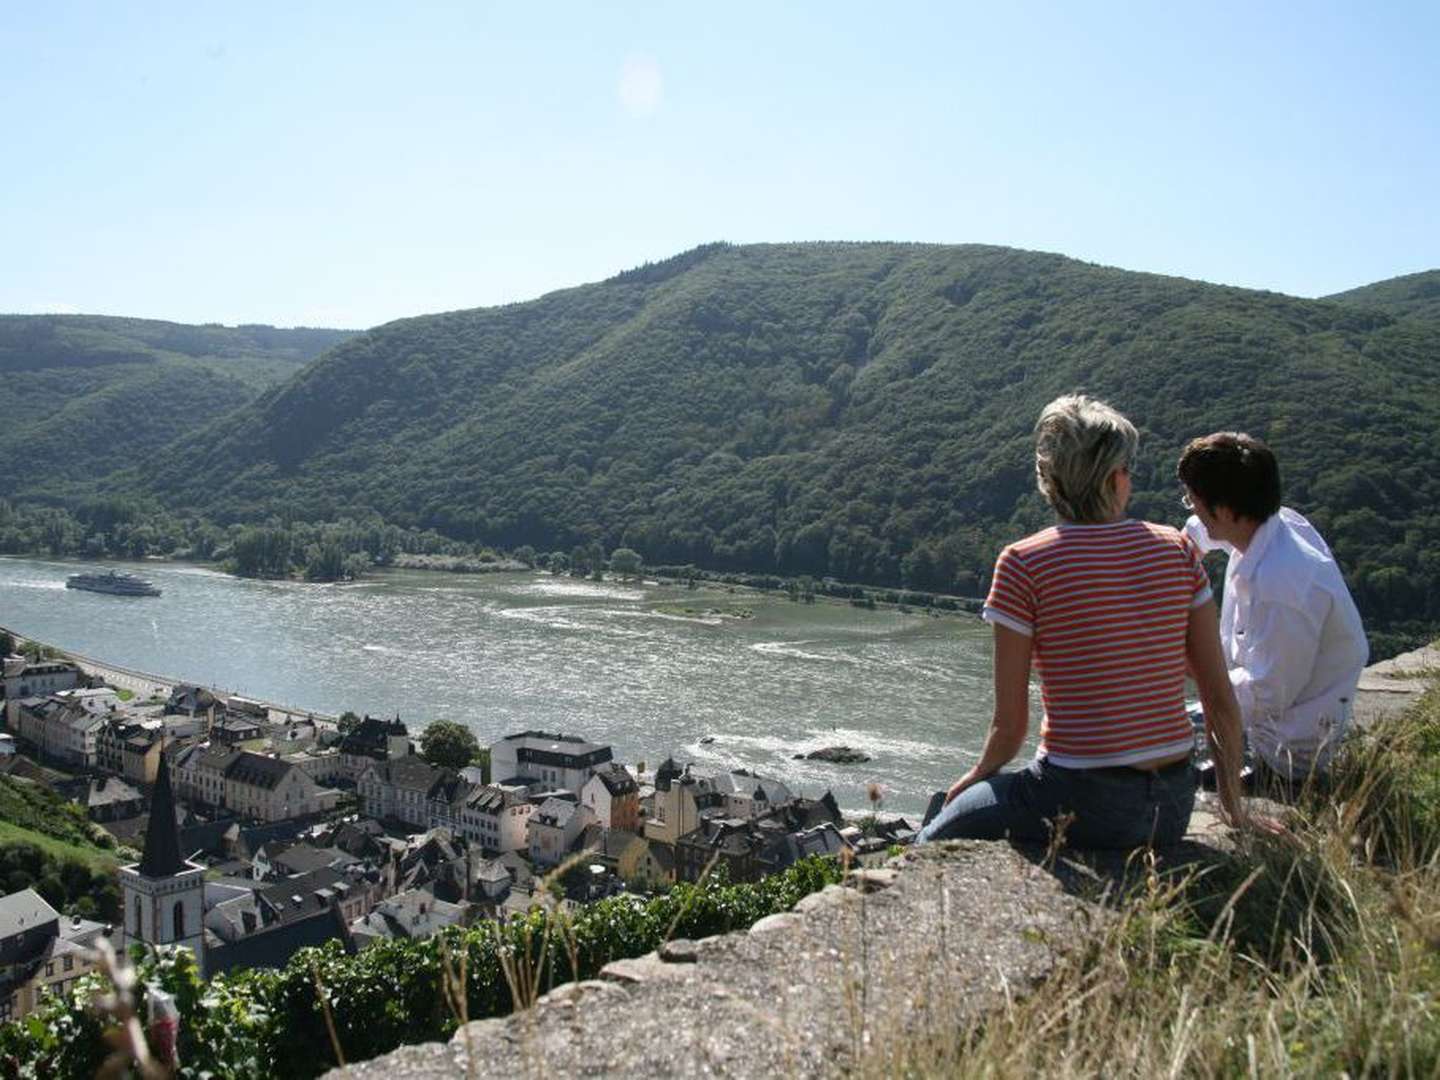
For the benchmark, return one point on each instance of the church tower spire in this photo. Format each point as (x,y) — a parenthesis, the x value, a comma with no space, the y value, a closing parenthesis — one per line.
(161,857)
(164,893)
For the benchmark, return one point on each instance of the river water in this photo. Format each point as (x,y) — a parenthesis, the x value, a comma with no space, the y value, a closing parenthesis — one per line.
(650,669)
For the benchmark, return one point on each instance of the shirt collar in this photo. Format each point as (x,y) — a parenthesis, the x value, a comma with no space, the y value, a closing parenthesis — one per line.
(1245,561)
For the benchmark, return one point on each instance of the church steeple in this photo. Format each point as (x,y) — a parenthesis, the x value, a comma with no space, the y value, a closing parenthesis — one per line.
(162,835)
(163,896)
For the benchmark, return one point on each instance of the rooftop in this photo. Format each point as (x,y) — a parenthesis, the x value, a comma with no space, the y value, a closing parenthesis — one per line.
(48,667)
(556,813)
(302,858)
(217,758)
(617,779)
(411,771)
(545,742)
(493,798)
(234,722)
(748,784)
(273,946)
(105,790)
(546,739)
(301,896)
(411,914)
(257,770)
(24,910)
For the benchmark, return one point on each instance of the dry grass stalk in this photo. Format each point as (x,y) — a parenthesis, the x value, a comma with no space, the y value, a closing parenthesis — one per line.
(454,986)
(328,1014)
(130,1051)
(1322,956)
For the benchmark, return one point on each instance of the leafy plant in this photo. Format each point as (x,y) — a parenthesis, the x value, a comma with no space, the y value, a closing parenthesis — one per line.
(278,1024)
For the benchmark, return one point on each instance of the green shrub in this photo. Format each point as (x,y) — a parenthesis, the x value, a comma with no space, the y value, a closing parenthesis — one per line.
(272,1024)
(63,882)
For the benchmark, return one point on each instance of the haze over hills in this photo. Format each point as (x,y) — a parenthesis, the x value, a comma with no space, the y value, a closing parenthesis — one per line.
(855,410)
(88,394)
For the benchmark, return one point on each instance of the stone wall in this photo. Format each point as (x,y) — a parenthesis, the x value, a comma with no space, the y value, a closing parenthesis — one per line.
(946,930)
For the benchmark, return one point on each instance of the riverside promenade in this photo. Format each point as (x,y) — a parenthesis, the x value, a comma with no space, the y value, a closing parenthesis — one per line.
(146,684)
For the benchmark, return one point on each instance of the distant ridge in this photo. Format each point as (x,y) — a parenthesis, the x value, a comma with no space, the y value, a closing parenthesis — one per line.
(861,411)
(89,394)
(1410,296)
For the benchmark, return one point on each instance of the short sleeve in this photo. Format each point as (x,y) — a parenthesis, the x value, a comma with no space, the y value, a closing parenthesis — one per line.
(1199,580)
(1011,602)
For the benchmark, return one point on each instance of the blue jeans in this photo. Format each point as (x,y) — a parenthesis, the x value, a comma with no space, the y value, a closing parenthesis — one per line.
(1114,807)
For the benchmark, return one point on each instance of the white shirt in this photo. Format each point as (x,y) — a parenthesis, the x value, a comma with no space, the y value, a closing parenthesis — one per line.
(1293,641)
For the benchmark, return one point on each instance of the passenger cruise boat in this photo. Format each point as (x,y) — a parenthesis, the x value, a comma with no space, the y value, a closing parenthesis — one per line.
(113,582)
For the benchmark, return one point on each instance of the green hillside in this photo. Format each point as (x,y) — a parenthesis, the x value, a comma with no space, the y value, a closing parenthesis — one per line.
(855,410)
(1411,296)
(87,394)
(48,844)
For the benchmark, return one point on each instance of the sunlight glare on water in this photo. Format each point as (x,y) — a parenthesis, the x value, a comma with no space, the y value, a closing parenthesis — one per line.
(651,669)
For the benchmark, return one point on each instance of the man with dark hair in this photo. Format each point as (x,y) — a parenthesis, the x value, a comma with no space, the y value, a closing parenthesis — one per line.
(1292,637)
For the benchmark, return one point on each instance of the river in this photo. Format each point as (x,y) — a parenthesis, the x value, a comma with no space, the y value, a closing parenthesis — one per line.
(650,669)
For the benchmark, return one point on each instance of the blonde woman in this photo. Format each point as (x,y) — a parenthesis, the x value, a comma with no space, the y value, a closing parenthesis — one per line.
(1109,611)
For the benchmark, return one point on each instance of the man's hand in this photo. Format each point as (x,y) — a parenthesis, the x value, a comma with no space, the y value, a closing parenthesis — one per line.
(1263,823)
(1257,823)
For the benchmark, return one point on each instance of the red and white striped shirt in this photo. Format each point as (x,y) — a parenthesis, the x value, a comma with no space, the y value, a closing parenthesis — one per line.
(1108,608)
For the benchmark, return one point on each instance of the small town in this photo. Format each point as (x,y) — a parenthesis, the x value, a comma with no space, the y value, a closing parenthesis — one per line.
(754,540)
(261,832)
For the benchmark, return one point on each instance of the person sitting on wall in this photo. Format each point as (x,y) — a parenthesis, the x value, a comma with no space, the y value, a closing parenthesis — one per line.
(1109,610)
(1292,637)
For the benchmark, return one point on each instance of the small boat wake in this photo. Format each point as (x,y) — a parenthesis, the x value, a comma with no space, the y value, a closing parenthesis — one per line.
(792,650)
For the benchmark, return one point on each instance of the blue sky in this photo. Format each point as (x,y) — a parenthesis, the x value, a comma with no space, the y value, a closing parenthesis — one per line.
(347,164)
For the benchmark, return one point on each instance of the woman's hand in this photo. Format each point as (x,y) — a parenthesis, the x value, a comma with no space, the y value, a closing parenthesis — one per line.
(1206,661)
(960,785)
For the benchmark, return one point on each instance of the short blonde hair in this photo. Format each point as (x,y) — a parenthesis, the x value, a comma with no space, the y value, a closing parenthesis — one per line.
(1079,442)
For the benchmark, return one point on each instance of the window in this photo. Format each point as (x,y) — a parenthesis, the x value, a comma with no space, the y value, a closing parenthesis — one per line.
(69,963)
(179,920)
(138,931)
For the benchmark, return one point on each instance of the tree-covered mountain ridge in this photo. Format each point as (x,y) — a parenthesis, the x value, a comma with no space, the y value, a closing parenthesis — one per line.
(88,394)
(1410,295)
(862,411)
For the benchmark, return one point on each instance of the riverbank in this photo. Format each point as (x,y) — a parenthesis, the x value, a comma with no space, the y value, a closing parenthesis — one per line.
(457,564)
(799,589)
(145,684)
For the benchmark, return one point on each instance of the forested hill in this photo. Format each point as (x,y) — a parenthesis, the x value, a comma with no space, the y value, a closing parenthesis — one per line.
(1413,296)
(855,410)
(86,394)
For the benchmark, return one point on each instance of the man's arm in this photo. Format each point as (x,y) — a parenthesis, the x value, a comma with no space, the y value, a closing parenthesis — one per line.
(1217,697)
(1011,718)
(1200,537)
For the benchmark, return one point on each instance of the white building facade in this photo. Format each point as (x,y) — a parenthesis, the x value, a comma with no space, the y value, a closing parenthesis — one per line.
(562,762)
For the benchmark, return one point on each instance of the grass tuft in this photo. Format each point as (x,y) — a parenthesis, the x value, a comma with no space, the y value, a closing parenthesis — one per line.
(1316,955)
